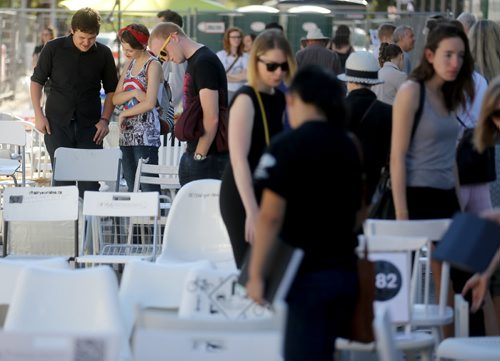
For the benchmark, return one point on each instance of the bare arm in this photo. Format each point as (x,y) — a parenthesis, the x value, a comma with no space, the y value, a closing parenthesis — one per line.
(241,119)
(269,222)
(209,100)
(41,122)
(403,113)
(238,77)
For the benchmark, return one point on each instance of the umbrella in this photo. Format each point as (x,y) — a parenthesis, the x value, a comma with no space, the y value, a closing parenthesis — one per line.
(138,6)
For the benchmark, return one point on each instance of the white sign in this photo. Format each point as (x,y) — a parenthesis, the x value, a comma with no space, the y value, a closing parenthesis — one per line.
(392,284)
(216,27)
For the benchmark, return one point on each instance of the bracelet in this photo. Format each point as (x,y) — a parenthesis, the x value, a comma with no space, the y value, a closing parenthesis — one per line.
(103,118)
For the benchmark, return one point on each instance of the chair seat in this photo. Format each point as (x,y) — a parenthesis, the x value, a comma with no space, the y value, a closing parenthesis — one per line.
(404,342)
(470,348)
(423,315)
(9,166)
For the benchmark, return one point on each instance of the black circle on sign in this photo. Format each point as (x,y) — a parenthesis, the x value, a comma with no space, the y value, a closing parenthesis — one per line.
(387,280)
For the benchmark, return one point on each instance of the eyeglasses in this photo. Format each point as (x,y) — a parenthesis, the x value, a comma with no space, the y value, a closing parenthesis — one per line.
(495,114)
(271,67)
(163,50)
(235,37)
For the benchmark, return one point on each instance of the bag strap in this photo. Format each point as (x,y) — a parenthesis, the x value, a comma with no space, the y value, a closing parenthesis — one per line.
(420,109)
(264,117)
(232,64)
(367,111)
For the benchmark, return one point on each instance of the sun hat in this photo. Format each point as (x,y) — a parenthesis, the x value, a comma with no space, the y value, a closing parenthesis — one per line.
(315,34)
(361,67)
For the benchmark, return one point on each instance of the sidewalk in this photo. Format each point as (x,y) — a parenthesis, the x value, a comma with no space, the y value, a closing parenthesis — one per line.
(21,105)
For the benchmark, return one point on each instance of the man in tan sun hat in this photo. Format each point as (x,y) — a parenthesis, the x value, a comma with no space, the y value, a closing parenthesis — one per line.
(315,52)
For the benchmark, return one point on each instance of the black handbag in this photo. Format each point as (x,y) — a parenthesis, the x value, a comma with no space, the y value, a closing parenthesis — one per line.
(382,206)
(474,167)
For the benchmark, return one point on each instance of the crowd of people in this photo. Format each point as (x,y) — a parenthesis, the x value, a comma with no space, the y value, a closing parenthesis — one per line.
(270,124)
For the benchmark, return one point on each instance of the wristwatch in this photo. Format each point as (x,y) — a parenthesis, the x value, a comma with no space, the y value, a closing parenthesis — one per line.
(198,156)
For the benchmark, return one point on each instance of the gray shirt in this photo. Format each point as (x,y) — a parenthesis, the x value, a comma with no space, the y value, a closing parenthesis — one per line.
(393,78)
(430,161)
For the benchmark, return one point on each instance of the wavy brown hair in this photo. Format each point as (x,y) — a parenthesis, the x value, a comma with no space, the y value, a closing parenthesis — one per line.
(227,43)
(454,91)
(486,133)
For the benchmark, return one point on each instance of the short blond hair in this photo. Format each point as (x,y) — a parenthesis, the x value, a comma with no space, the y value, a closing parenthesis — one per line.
(267,40)
(163,30)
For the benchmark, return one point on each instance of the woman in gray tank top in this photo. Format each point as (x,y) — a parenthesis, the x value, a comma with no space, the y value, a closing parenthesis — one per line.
(423,167)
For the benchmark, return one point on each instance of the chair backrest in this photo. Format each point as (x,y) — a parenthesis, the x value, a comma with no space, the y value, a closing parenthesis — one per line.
(200,340)
(40,204)
(432,229)
(170,153)
(13,133)
(127,212)
(54,300)
(385,337)
(90,165)
(167,176)
(148,284)
(195,229)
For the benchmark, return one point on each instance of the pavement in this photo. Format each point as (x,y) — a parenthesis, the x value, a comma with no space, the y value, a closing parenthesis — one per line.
(21,105)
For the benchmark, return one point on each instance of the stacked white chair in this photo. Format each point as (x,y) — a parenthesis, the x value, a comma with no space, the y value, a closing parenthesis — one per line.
(385,336)
(13,136)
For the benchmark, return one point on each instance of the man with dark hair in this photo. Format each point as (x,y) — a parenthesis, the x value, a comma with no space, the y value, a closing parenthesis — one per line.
(170,16)
(77,67)
(274,25)
(173,74)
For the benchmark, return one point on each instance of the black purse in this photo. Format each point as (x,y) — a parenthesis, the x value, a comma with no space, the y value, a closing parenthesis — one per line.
(474,167)
(382,206)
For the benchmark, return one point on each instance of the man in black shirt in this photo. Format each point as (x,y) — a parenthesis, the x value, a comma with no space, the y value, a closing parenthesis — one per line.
(77,67)
(203,123)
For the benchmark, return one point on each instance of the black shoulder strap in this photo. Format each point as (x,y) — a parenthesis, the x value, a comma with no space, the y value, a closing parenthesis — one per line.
(420,109)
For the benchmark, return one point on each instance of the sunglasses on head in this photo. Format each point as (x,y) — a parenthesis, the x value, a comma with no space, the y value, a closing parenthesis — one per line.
(271,67)
(163,55)
(495,114)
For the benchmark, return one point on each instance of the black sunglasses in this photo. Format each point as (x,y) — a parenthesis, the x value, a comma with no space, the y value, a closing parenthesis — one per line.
(271,67)
(495,114)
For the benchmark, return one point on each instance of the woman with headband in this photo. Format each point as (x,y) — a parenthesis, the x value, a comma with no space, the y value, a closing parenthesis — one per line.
(136,93)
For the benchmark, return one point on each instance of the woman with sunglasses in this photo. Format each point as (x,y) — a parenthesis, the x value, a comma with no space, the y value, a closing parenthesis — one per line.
(255,116)
(136,93)
(234,59)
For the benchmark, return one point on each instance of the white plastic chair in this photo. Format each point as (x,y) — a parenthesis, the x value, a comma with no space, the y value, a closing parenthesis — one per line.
(426,314)
(117,220)
(29,208)
(147,284)
(13,134)
(469,349)
(204,340)
(195,230)
(87,165)
(53,300)
(385,337)
(409,341)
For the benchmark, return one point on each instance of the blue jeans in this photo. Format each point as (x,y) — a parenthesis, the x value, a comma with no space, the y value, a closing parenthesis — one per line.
(320,307)
(211,167)
(130,160)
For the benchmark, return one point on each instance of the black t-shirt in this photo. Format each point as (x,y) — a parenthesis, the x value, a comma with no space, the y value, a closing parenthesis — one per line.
(316,169)
(76,80)
(204,71)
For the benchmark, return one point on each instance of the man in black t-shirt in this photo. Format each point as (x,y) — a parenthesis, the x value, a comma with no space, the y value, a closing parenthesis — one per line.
(78,67)
(203,123)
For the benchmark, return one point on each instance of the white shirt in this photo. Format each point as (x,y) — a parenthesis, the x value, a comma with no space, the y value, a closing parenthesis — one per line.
(238,67)
(393,78)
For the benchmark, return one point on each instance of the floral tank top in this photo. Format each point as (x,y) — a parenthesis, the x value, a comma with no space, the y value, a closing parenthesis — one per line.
(144,128)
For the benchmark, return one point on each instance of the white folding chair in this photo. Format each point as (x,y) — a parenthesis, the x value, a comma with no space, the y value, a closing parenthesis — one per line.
(87,165)
(427,313)
(385,337)
(36,153)
(12,154)
(195,230)
(409,341)
(54,300)
(204,340)
(124,226)
(40,221)
(148,284)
